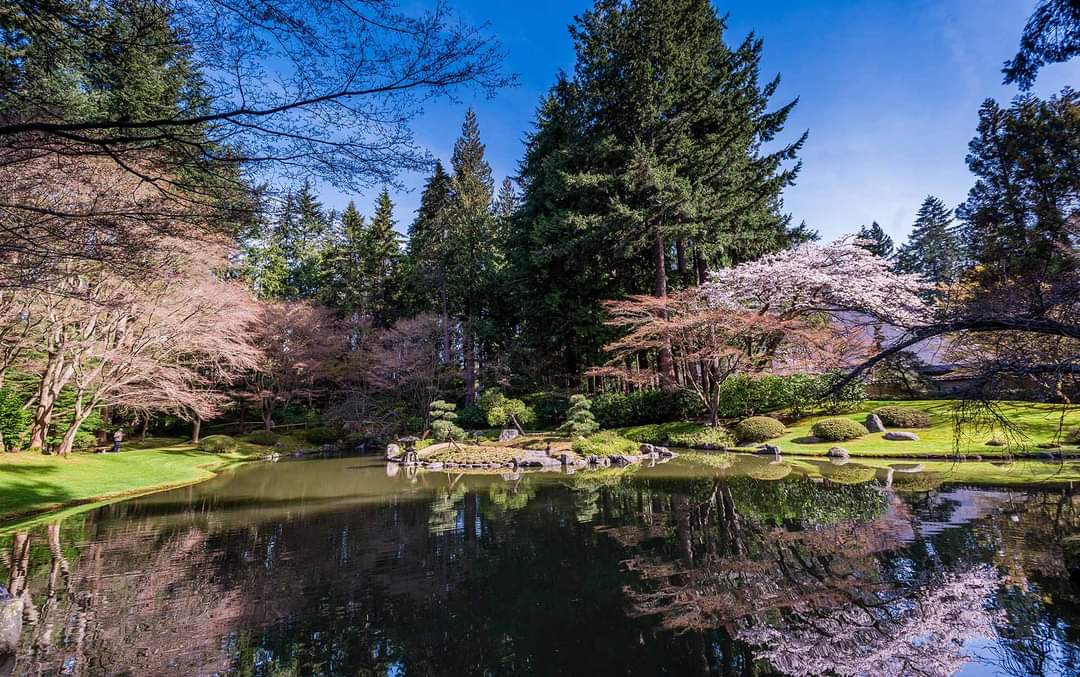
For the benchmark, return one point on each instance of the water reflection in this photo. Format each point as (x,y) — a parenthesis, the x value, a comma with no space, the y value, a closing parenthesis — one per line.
(739,567)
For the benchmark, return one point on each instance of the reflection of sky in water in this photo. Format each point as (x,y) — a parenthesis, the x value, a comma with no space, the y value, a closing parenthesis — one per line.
(334,567)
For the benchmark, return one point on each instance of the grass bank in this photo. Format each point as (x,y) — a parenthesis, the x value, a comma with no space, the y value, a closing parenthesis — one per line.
(32,483)
(1038,422)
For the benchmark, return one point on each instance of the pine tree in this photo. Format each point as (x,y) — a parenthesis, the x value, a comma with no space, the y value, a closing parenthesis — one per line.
(933,249)
(428,253)
(1018,219)
(308,245)
(652,154)
(473,253)
(875,239)
(579,419)
(381,263)
(345,280)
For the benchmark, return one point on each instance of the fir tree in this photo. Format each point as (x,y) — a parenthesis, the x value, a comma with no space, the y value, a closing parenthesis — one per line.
(381,263)
(875,239)
(579,419)
(346,277)
(473,254)
(933,249)
(428,252)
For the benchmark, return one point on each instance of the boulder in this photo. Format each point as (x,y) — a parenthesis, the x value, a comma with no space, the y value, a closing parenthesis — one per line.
(624,459)
(507,435)
(768,450)
(393,451)
(996,442)
(874,424)
(11,617)
(664,452)
(838,452)
(902,436)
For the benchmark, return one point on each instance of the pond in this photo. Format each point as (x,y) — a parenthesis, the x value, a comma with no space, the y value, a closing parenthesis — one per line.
(341,566)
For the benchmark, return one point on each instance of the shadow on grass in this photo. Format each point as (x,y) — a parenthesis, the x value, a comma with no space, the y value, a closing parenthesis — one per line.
(808,439)
(28,496)
(28,469)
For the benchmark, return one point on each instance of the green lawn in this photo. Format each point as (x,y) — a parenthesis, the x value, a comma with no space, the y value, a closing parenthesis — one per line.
(1039,422)
(32,483)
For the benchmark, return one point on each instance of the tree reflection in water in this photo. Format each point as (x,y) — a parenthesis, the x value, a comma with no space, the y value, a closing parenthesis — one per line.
(618,572)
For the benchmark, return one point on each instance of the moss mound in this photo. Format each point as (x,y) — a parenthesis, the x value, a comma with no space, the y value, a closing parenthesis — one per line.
(903,417)
(605,443)
(758,429)
(219,444)
(838,429)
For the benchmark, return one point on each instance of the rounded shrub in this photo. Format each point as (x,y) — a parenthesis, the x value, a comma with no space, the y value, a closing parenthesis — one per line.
(757,429)
(322,435)
(838,429)
(472,417)
(265,438)
(219,444)
(606,443)
(903,417)
(706,438)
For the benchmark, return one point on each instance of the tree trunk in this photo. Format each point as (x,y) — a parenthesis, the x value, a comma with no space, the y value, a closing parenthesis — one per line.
(196,429)
(468,353)
(145,425)
(680,256)
(666,362)
(700,268)
(267,416)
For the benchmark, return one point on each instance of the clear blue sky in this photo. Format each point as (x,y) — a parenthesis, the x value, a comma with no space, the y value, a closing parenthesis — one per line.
(888,89)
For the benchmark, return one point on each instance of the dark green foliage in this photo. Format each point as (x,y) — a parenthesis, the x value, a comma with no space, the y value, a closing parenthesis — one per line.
(903,417)
(551,408)
(799,393)
(1017,217)
(838,429)
(14,419)
(264,438)
(219,444)
(580,420)
(1051,35)
(472,417)
(757,429)
(619,410)
(647,164)
(321,435)
(706,438)
(933,249)
(876,240)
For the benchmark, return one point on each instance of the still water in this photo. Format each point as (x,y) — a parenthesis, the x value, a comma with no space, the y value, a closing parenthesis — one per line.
(335,567)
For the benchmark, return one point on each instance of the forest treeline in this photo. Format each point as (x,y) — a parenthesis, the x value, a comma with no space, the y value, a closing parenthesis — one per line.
(166,252)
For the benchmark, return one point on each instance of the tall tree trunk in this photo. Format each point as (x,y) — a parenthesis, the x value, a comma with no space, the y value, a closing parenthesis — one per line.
(268,414)
(447,358)
(78,418)
(468,352)
(196,429)
(680,256)
(699,266)
(666,362)
(145,426)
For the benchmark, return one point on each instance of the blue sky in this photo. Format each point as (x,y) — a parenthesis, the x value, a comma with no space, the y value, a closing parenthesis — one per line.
(888,89)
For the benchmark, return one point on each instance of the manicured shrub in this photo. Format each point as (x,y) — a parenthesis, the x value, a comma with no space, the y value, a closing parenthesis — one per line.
(838,429)
(265,438)
(706,438)
(219,444)
(443,422)
(322,435)
(620,410)
(580,420)
(903,417)
(501,410)
(757,429)
(472,417)
(606,443)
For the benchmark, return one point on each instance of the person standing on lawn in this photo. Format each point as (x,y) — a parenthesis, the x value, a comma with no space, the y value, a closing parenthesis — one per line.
(117,438)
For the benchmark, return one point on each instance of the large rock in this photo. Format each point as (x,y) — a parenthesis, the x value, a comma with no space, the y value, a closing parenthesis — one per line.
(664,452)
(874,424)
(624,459)
(11,617)
(392,451)
(768,450)
(838,452)
(532,458)
(647,449)
(902,436)
(507,435)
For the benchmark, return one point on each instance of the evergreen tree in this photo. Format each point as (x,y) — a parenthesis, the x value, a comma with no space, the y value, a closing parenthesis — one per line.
(473,253)
(579,419)
(428,253)
(346,278)
(650,155)
(933,249)
(1018,218)
(876,240)
(308,244)
(381,263)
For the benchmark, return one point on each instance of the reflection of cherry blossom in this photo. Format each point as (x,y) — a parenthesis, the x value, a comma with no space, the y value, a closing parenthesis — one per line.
(916,633)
